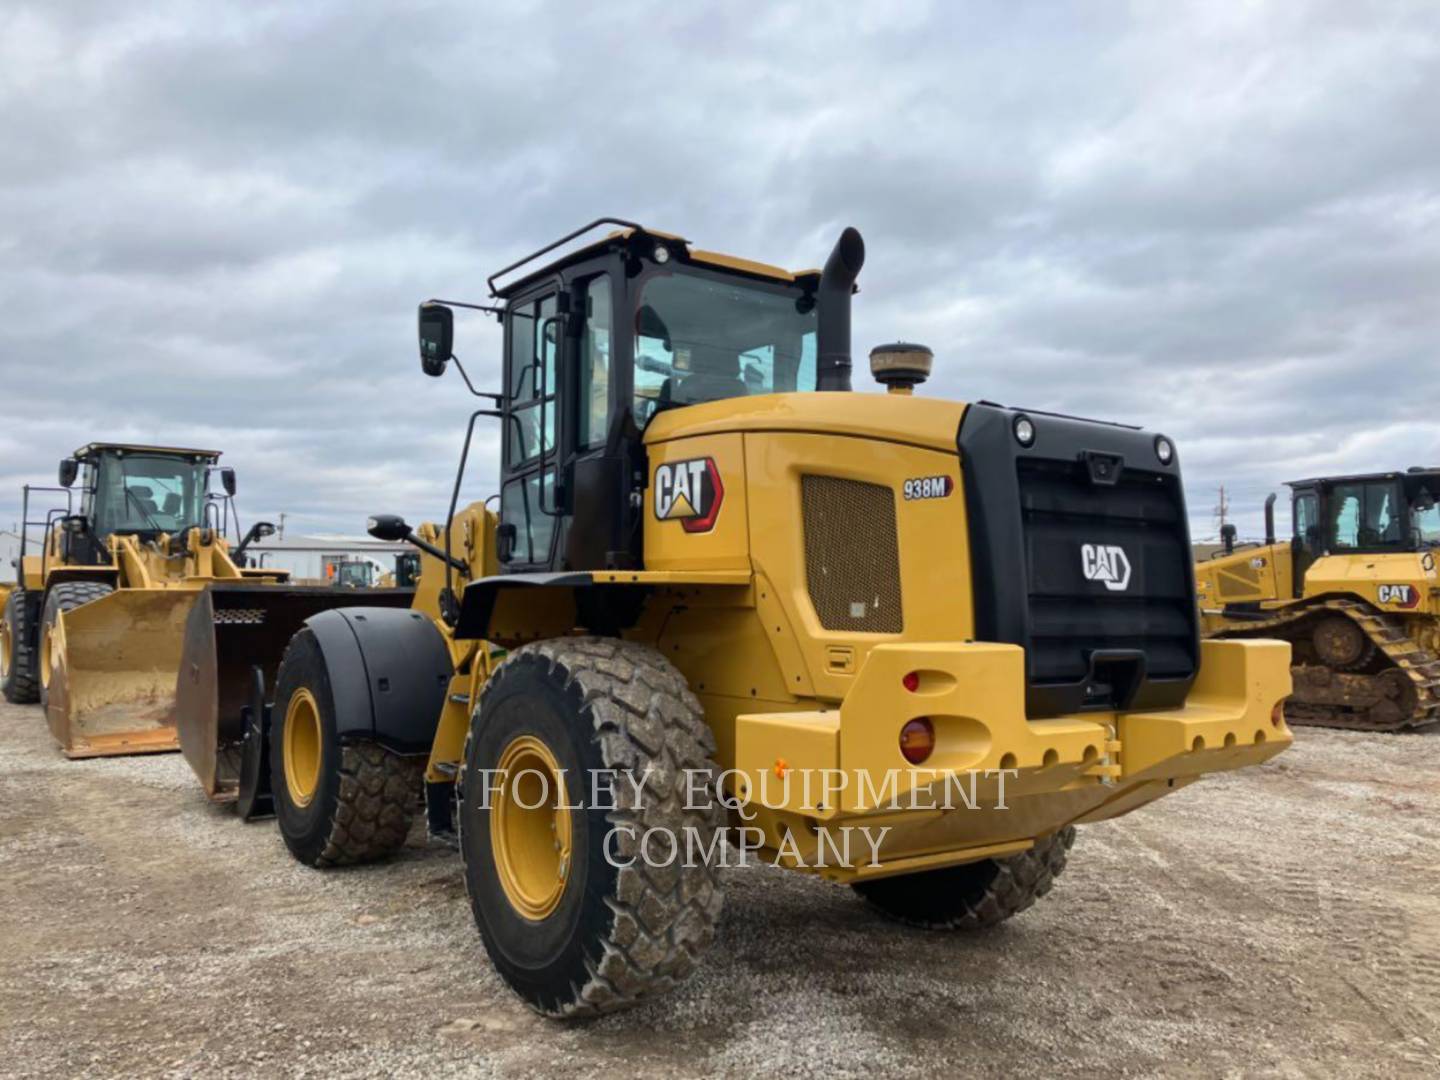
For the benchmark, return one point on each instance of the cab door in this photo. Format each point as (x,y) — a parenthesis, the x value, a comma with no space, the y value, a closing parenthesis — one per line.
(528,513)
(1307,544)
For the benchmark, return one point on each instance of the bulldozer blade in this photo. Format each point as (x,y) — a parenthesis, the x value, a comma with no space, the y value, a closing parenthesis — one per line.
(231,631)
(112,680)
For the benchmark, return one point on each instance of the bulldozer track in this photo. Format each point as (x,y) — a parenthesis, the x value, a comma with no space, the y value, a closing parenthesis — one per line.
(1387,634)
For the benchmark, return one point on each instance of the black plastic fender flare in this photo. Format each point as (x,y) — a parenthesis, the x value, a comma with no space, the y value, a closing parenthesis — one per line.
(389,673)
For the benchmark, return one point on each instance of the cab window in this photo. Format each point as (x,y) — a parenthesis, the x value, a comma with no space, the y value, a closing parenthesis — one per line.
(1365,515)
(700,339)
(595,349)
(534,342)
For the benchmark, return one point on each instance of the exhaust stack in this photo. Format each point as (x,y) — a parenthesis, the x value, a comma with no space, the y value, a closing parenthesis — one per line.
(832,337)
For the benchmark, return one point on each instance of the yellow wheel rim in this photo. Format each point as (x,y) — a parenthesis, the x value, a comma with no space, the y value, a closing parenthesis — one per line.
(301,746)
(52,649)
(530,828)
(7,646)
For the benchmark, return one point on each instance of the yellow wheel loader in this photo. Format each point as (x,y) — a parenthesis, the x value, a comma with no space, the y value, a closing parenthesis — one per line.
(748,611)
(94,627)
(1355,591)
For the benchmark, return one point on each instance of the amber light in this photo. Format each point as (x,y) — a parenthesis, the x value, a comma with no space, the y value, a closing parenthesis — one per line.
(917,740)
(911,681)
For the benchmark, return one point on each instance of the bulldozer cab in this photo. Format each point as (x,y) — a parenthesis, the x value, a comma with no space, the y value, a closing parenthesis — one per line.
(599,342)
(1377,513)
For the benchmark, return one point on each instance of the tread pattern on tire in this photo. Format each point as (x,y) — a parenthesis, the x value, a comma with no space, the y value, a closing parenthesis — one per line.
(379,794)
(67,596)
(647,723)
(23,687)
(1014,884)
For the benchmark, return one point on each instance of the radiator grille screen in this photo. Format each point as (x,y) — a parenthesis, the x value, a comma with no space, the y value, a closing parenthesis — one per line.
(852,555)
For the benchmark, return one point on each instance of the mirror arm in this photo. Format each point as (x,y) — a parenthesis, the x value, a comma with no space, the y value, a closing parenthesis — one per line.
(491,308)
(471,386)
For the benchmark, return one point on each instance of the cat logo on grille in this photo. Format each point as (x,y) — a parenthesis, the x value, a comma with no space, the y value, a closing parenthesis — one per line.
(1107,564)
(689,492)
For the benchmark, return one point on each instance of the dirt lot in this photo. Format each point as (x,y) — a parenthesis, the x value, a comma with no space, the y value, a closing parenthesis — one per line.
(1283,921)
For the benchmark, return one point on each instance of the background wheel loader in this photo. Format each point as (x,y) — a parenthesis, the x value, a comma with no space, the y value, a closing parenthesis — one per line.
(1355,591)
(94,629)
(713,560)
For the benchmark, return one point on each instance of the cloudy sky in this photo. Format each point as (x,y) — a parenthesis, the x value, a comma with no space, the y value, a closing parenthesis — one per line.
(1219,220)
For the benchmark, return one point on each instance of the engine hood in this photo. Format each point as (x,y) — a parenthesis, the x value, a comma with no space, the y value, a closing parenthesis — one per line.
(917,421)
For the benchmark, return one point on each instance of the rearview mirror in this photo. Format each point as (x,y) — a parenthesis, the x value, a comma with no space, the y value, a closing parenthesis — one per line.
(437,333)
(261,529)
(227,480)
(69,469)
(389,527)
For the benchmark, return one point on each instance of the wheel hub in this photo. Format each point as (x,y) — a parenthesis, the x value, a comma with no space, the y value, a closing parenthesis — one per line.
(530,828)
(52,650)
(302,747)
(1340,643)
(7,647)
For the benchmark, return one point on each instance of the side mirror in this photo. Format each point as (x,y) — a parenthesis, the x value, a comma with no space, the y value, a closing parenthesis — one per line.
(437,334)
(227,481)
(261,529)
(69,470)
(390,527)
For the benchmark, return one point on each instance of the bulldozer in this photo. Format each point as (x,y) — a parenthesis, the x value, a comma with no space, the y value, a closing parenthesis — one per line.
(1354,591)
(93,628)
(743,607)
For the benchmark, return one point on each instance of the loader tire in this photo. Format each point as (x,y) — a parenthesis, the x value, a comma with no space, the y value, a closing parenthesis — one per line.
(337,803)
(973,896)
(575,919)
(66,596)
(19,675)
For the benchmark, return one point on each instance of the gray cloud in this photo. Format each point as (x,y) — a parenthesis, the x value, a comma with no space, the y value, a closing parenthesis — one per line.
(1217,221)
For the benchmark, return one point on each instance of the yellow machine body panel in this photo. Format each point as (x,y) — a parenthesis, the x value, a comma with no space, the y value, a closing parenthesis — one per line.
(802,676)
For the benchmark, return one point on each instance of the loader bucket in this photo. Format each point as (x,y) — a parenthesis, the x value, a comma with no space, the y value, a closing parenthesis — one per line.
(112,672)
(231,630)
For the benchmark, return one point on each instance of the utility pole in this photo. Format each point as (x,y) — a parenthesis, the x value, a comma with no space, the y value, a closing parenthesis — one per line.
(282,524)
(1222,511)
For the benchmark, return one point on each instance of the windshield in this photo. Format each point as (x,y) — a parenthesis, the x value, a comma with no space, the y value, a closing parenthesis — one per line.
(703,339)
(148,493)
(355,574)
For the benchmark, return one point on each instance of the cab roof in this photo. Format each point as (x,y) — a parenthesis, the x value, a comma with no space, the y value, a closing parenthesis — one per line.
(639,239)
(1428,472)
(89,450)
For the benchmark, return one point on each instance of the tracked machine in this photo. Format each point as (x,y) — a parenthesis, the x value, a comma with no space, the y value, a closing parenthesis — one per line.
(1355,591)
(712,559)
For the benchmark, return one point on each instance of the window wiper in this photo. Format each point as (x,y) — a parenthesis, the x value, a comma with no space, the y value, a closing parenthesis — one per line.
(130,495)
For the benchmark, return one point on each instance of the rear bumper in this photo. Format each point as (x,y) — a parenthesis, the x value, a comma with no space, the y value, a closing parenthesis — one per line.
(801,771)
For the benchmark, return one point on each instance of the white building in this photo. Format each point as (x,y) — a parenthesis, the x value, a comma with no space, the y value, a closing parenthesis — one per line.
(306,557)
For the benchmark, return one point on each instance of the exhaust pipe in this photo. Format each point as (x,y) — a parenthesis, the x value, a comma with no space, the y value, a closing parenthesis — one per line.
(832,335)
(1270,520)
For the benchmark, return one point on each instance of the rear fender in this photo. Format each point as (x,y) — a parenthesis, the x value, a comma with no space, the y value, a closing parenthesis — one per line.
(389,672)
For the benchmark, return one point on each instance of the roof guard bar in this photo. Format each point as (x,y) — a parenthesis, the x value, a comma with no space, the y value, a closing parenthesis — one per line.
(490,281)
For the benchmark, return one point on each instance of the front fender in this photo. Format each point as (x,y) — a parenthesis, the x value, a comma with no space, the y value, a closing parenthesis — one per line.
(389,672)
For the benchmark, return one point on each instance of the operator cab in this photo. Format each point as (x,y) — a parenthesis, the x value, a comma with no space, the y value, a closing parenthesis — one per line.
(142,491)
(1374,513)
(601,340)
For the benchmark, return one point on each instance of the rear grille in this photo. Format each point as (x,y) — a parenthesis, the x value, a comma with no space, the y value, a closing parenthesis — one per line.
(1072,526)
(852,556)
(1080,555)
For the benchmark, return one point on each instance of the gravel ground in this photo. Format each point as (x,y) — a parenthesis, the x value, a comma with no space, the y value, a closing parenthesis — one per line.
(1281,921)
